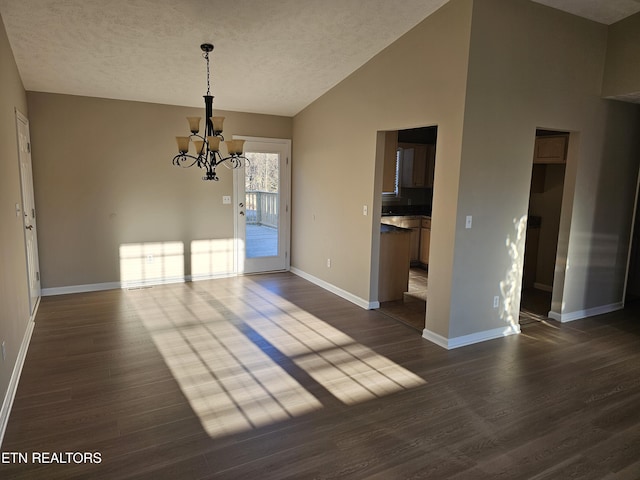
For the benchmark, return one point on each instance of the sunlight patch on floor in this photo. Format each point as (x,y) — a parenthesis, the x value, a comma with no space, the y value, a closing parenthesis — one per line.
(350,371)
(229,382)
(217,343)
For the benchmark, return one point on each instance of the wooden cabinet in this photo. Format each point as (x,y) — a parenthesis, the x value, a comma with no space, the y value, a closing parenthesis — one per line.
(389,169)
(414,248)
(551,149)
(418,163)
(414,166)
(410,223)
(393,279)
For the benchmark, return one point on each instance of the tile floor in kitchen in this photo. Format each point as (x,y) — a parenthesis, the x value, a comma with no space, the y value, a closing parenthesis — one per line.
(410,311)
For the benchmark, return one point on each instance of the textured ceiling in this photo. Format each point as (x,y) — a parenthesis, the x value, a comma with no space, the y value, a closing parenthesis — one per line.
(271,56)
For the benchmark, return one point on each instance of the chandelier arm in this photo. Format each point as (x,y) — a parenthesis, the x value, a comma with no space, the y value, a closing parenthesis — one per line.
(234,161)
(181,159)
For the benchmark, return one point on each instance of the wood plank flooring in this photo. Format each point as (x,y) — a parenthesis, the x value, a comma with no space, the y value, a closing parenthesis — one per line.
(271,377)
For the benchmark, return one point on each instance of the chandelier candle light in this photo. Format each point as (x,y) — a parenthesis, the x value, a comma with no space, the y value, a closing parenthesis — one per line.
(207,146)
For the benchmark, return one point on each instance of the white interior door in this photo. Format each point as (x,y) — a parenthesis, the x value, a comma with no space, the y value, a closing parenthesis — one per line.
(28,210)
(262,194)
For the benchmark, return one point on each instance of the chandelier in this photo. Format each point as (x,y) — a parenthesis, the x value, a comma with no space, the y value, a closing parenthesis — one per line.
(207,146)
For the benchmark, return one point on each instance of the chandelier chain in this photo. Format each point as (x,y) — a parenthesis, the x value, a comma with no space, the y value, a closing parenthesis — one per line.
(206,56)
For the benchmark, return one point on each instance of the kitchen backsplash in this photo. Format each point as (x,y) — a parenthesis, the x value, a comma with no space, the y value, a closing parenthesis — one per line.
(413,201)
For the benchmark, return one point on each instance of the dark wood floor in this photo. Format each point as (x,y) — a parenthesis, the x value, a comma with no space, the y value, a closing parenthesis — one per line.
(271,377)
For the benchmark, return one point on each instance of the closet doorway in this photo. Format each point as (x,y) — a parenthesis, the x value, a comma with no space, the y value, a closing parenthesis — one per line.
(543,224)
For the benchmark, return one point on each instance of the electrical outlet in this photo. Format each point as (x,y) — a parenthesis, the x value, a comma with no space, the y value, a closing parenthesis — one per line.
(468,222)
(149,258)
(4,351)
(328,263)
(365,210)
(496,301)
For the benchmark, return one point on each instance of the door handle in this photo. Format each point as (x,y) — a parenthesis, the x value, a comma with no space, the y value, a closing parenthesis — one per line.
(242,212)
(241,205)
(29,227)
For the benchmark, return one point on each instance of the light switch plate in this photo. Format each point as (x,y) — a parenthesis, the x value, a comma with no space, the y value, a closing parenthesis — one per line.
(468,222)
(226,200)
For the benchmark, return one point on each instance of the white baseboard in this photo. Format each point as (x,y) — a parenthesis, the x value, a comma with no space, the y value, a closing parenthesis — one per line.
(10,396)
(96,287)
(90,287)
(436,338)
(198,278)
(151,282)
(589,312)
(464,340)
(361,302)
(543,287)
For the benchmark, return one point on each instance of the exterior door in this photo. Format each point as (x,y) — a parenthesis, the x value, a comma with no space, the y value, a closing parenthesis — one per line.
(28,210)
(262,194)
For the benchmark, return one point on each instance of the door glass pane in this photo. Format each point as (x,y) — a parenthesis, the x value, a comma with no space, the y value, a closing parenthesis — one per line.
(262,191)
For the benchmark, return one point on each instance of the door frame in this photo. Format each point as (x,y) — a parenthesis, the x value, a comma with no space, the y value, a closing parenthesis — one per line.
(285,201)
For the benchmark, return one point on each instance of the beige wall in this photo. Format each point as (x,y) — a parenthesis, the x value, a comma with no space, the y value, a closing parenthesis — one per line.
(417,81)
(14,296)
(532,66)
(622,73)
(103,179)
(529,66)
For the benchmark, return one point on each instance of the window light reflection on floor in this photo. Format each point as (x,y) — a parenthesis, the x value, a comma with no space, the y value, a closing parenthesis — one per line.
(231,384)
(349,370)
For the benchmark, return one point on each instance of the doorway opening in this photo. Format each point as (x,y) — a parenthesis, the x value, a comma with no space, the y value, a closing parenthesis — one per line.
(407,195)
(543,224)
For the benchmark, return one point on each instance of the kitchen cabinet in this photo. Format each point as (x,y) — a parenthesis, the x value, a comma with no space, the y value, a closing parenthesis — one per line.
(412,223)
(393,278)
(551,149)
(418,162)
(425,240)
(389,164)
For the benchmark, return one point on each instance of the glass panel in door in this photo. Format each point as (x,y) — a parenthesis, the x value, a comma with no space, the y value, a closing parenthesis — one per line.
(262,190)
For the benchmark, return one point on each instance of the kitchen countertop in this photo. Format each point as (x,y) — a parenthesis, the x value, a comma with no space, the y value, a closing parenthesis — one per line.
(406,214)
(407,217)
(384,228)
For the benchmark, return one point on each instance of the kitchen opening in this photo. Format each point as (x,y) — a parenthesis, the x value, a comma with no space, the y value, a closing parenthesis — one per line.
(405,232)
(543,224)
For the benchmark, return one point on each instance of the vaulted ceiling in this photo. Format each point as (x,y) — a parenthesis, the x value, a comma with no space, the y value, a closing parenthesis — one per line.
(274,56)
